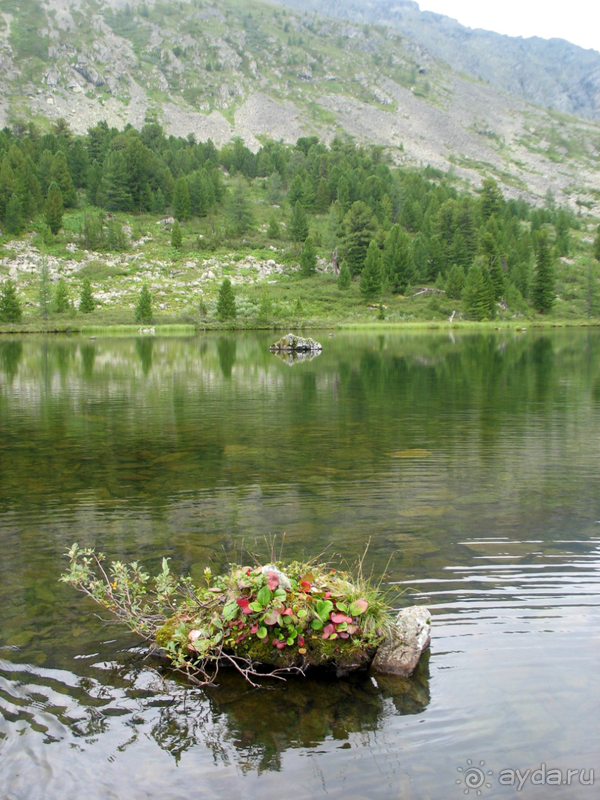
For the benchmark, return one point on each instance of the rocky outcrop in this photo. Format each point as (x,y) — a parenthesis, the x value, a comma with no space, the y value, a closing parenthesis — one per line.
(410,637)
(292,343)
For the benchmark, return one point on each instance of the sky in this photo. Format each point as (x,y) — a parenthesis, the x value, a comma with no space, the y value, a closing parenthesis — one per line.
(578,21)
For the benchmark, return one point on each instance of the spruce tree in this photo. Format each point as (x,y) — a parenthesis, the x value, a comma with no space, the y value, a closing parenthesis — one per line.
(226,303)
(455,282)
(143,309)
(13,216)
(542,289)
(358,229)
(176,237)
(10,307)
(60,174)
(273,231)
(344,278)
(370,277)
(54,208)
(308,258)
(181,199)
(114,190)
(44,288)
(477,294)
(491,198)
(87,304)
(239,209)
(323,198)
(298,223)
(397,259)
(295,191)
(61,297)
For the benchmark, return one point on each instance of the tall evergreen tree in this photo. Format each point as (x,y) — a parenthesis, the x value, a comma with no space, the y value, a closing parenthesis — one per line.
(358,229)
(308,258)
(397,259)
(198,195)
(562,233)
(61,297)
(13,216)
(143,309)
(54,208)
(114,190)
(8,185)
(181,199)
(370,277)
(455,282)
(323,199)
(543,292)
(87,303)
(60,174)
(298,223)
(10,307)
(477,294)
(44,287)
(344,278)
(295,190)
(491,198)
(176,237)
(226,303)
(239,209)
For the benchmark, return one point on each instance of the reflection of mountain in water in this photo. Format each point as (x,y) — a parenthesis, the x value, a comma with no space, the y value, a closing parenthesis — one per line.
(237,725)
(296,356)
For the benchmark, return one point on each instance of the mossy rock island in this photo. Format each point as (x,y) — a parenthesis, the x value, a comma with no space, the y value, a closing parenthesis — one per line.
(266,621)
(290,343)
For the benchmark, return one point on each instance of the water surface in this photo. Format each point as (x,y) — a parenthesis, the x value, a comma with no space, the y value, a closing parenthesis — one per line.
(470,462)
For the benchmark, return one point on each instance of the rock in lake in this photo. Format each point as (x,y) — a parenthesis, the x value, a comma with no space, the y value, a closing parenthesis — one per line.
(292,343)
(400,654)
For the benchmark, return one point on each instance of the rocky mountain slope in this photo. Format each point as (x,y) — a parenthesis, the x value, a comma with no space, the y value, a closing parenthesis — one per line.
(549,72)
(243,68)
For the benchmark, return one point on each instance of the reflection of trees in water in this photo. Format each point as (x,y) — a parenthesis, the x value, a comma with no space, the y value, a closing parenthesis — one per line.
(88,357)
(144,348)
(11,353)
(227,348)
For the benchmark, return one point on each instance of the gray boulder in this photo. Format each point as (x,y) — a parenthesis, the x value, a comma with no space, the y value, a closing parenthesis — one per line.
(411,635)
(292,343)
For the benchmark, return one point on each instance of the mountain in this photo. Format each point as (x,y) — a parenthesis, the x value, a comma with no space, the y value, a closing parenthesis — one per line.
(549,72)
(245,68)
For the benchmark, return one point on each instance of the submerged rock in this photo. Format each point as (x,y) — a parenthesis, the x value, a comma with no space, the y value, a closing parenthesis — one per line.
(292,343)
(400,653)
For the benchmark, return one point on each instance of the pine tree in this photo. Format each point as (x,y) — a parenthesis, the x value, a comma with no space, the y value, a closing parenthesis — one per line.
(176,237)
(198,195)
(358,228)
(44,288)
(10,307)
(13,216)
(562,233)
(114,189)
(181,199)
(370,277)
(273,231)
(308,195)
(54,208)
(491,198)
(295,190)
(60,174)
(61,297)
(397,259)
(239,209)
(477,294)
(455,282)
(323,197)
(87,304)
(542,290)
(143,309)
(344,278)
(308,258)
(298,223)
(226,303)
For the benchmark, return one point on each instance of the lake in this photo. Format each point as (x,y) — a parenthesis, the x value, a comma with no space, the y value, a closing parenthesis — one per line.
(468,462)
